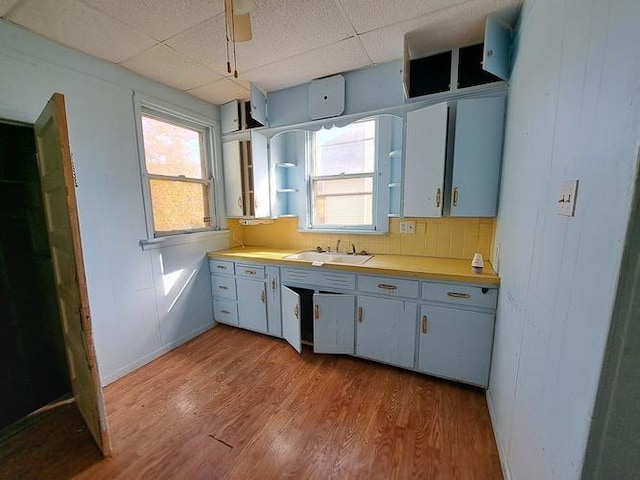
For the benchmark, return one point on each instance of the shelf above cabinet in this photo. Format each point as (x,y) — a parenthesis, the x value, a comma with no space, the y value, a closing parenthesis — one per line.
(286,165)
(286,190)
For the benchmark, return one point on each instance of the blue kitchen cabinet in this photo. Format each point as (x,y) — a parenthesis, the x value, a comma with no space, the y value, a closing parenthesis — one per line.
(386,330)
(455,344)
(477,157)
(252,304)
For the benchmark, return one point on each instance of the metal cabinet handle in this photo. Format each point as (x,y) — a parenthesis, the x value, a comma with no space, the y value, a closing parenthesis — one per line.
(438,197)
(240,202)
(273,284)
(222,287)
(250,272)
(296,311)
(316,310)
(262,297)
(221,267)
(226,312)
(458,295)
(455,197)
(385,286)
(425,324)
(360,315)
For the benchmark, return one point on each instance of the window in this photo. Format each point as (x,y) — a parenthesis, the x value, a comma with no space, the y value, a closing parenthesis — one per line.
(343,177)
(176,165)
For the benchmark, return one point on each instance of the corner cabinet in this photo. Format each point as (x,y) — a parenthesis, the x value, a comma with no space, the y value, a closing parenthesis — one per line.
(464,137)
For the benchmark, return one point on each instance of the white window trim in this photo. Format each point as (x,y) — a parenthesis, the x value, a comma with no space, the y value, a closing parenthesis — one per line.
(380,182)
(143,104)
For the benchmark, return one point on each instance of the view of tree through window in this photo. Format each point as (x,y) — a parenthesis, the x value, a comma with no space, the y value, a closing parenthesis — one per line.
(175,163)
(343,167)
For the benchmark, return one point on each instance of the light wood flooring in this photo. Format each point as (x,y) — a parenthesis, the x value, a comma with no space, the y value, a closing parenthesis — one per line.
(232,404)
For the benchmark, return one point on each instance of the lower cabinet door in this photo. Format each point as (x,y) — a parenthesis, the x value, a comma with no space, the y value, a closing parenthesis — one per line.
(455,344)
(333,328)
(274,315)
(386,330)
(291,318)
(252,304)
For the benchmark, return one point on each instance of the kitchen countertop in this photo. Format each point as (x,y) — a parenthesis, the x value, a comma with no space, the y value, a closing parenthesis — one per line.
(433,268)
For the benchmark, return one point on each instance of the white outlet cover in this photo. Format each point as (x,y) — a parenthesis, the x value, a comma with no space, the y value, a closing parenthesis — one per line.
(566,200)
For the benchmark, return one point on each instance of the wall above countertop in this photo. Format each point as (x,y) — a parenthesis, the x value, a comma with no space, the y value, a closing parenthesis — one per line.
(434,237)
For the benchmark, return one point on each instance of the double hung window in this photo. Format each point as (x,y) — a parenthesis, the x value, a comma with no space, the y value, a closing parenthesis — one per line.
(177,166)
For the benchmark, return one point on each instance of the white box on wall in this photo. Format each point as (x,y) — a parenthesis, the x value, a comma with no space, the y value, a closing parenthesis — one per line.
(326,97)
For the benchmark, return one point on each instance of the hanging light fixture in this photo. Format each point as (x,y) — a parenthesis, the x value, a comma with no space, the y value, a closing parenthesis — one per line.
(237,26)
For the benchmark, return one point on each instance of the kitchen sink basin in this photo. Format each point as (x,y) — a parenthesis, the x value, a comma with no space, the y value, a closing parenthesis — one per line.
(329,257)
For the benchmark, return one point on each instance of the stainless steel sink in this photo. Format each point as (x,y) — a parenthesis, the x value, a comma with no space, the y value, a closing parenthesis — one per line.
(329,257)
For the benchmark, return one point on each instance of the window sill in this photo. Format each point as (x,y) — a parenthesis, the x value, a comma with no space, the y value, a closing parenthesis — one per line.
(181,239)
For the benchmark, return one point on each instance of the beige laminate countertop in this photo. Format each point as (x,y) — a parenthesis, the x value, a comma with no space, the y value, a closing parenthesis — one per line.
(403,265)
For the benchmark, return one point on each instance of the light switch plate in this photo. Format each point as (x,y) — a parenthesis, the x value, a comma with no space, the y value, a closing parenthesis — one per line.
(408,227)
(567,198)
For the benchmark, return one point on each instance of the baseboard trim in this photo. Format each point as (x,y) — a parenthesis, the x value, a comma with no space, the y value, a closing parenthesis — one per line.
(504,461)
(155,354)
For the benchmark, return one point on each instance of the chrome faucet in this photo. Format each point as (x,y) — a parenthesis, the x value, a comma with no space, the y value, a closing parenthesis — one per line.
(338,246)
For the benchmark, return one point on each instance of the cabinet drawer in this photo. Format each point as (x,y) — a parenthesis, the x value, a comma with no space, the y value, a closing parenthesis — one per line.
(250,271)
(224,287)
(294,275)
(346,281)
(460,294)
(221,267)
(225,311)
(394,287)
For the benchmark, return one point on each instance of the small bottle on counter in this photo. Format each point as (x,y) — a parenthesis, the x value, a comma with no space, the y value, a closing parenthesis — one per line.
(477,263)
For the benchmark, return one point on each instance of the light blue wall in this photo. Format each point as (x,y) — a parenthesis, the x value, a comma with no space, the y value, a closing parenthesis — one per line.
(574,113)
(142,302)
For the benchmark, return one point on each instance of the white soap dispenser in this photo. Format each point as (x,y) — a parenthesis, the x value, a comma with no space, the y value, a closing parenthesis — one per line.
(477,263)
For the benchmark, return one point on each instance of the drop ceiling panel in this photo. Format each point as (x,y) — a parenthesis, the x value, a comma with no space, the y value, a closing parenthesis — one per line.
(80,26)
(160,19)
(280,30)
(338,57)
(372,14)
(221,92)
(168,66)
(6,5)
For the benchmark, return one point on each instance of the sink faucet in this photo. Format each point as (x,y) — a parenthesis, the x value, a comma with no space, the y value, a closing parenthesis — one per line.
(338,246)
(353,249)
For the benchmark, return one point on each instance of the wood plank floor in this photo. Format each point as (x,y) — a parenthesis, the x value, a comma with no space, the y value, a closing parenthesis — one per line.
(232,404)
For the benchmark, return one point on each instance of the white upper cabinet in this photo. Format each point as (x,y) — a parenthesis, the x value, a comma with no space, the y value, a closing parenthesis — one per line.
(477,157)
(232,164)
(259,105)
(261,182)
(497,41)
(230,117)
(426,146)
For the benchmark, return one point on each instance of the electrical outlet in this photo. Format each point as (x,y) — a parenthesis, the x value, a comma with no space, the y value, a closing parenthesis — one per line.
(567,198)
(411,227)
(403,227)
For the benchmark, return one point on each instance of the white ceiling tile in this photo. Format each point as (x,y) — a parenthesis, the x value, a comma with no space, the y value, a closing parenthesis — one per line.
(6,5)
(220,92)
(79,26)
(280,30)
(335,58)
(461,25)
(160,19)
(168,66)
(371,14)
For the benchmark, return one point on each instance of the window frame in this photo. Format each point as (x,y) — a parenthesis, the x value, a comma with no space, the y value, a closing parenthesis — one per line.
(181,118)
(379,176)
